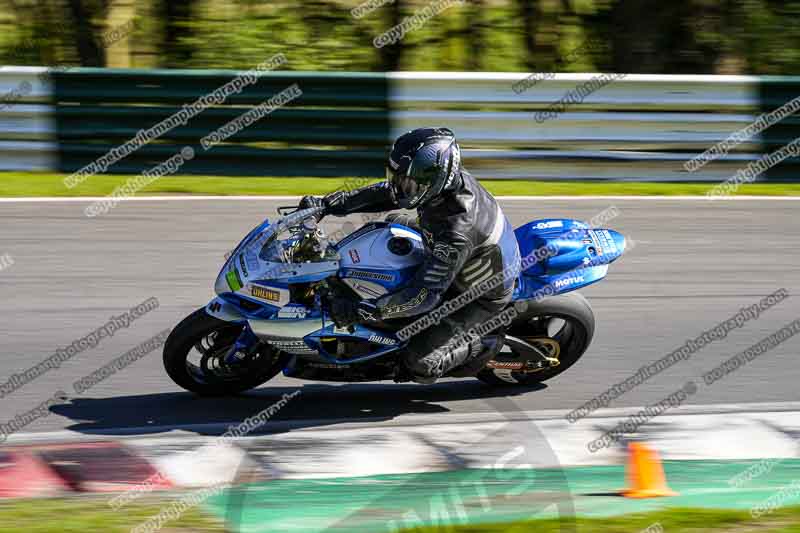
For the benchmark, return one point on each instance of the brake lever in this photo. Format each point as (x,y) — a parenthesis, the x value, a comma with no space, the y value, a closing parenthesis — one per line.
(295,208)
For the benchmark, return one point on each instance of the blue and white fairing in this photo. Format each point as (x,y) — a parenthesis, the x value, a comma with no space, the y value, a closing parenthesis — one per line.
(257,275)
(380,258)
(255,284)
(561,255)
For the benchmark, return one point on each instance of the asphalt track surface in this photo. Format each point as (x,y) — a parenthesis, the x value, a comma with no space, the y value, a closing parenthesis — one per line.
(694,264)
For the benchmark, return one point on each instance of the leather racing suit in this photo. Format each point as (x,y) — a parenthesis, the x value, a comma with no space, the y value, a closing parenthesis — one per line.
(469,240)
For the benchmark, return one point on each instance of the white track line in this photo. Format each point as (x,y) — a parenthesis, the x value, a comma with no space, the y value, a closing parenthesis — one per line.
(410,420)
(178,198)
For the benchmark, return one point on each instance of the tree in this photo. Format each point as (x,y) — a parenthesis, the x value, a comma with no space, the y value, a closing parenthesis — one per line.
(652,36)
(177,28)
(476,35)
(391,54)
(541,33)
(90,51)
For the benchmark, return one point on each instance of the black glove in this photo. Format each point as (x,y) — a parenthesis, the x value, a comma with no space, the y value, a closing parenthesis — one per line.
(404,219)
(310,201)
(335,202)
(346,312)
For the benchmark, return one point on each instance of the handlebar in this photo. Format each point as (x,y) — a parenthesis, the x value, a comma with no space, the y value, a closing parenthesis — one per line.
(318,212)
(298,215)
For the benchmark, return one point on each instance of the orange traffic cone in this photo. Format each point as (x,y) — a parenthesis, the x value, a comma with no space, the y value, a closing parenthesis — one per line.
(645,473)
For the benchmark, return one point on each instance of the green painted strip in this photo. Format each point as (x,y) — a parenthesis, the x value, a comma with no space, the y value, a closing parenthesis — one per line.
(387,503)
(376,503)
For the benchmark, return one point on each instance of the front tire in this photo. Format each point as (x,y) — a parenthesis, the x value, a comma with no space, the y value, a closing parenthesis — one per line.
(210,338)
(563,324)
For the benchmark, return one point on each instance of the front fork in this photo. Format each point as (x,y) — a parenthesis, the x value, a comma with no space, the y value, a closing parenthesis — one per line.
(247,340)
(244,346)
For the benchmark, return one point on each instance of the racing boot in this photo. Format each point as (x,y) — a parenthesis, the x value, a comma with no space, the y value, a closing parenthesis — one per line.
(436,364)
(484,351)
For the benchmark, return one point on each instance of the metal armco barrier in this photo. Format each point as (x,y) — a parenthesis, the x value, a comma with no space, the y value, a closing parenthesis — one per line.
(27,120)
(640,127)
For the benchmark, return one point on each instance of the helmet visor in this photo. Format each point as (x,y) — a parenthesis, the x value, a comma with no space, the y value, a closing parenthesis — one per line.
(409,190)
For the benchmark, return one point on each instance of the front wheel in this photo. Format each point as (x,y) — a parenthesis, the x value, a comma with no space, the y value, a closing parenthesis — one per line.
(195,352)
(560,328)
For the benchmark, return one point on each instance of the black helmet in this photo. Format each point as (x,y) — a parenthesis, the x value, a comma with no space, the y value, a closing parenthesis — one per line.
(423,163)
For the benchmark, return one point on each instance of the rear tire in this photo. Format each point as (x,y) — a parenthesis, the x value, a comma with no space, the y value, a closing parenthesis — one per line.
(533,322)
(199,327)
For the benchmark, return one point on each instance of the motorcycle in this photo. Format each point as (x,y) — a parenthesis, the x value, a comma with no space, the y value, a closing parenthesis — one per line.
(271,315)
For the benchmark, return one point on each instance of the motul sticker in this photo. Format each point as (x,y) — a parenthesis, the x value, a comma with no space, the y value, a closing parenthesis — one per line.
(550,224)
(354,256)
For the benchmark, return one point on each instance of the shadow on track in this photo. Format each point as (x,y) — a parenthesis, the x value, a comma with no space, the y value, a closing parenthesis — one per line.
(318,405)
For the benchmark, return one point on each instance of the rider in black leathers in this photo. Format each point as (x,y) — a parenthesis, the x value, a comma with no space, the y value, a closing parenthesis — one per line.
(468,240)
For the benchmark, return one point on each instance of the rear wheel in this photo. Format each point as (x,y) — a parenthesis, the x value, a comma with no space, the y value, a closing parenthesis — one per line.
(195,352)
(559,329)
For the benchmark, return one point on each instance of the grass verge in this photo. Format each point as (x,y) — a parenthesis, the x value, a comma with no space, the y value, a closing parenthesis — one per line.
(677,520)
(93,514)
(16,184)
